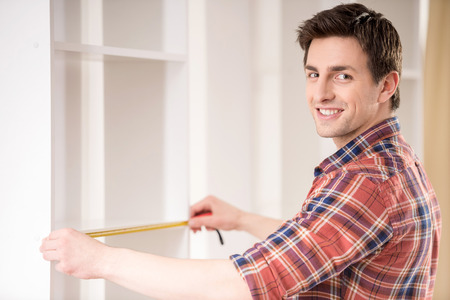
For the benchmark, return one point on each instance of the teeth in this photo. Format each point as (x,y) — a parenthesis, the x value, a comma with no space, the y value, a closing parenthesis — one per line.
(328,112)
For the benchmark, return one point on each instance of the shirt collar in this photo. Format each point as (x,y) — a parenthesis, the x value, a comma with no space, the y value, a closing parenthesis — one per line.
(349,152)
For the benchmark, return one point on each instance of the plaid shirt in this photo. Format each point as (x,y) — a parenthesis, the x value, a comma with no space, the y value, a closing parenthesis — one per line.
(369,229)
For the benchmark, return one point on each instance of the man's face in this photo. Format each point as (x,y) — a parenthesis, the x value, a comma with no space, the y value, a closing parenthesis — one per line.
(341,93)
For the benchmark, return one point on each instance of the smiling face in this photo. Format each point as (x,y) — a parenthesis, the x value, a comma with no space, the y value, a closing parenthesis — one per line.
(341,92)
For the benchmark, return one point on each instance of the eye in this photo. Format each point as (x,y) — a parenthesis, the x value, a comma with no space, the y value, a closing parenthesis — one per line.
(343,76)
(312,75)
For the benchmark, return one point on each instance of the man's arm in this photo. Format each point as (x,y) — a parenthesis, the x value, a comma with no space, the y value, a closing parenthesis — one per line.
(227,217)
(160,277)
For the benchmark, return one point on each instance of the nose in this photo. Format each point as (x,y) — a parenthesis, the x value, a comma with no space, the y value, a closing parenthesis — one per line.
(322,90)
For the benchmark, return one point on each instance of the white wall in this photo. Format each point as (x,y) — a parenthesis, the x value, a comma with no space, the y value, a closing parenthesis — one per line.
(25,151)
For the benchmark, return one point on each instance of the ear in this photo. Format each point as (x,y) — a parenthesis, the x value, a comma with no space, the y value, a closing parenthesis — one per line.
(388,86)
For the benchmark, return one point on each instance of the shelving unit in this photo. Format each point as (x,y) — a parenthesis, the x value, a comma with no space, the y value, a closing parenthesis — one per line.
(120,108)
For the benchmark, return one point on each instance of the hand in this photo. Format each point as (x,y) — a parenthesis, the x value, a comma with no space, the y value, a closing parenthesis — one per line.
(76,253)
(227,217)
(223,215)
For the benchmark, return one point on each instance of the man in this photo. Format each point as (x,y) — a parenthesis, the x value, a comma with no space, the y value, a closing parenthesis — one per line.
(370,225)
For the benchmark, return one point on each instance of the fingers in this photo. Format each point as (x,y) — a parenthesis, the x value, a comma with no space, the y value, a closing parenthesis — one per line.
(205,213)
(196,223)
(51,255)
(48,245)
(48,249)
(203,206)
(75,252)
(219,215)
(53,245)
(62,233)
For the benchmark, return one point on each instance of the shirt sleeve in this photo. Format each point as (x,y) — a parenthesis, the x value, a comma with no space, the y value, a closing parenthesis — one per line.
(342,221)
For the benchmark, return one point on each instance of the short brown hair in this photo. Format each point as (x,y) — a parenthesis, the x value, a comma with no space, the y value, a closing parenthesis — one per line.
(376,35)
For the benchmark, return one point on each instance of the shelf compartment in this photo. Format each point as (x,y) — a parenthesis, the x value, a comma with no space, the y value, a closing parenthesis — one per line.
(151,25)
(141,142)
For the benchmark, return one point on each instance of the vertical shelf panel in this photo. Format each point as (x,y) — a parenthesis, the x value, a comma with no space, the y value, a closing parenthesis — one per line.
(67,132)
(67,157)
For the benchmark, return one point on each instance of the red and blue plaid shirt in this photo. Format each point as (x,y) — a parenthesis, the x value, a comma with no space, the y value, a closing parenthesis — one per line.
(368,229)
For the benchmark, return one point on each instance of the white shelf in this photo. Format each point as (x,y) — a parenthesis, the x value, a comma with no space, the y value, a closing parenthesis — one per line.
(120,52)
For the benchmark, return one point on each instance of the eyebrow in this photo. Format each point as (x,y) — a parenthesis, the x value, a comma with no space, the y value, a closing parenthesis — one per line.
(332,68)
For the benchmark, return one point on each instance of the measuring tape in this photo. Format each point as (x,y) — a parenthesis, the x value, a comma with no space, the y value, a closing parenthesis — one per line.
(124,230)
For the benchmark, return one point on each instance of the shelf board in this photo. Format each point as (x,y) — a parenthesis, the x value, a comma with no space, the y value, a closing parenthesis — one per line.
(119,52)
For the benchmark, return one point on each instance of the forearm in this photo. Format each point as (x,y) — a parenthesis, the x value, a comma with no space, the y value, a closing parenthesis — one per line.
(169,278)
(257,225)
